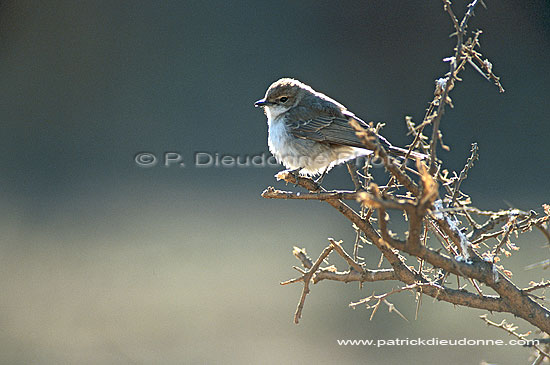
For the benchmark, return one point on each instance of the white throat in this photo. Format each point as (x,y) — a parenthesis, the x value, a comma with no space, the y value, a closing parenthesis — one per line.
(274,111)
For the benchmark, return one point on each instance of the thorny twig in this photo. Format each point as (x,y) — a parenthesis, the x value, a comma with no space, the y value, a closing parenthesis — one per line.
(382,299)
(445,85)
(306,278)
(511,329)
(316,274)
(464,174)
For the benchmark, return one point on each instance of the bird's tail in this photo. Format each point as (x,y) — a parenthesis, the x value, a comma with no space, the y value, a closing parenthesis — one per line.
(401,152)
(392,150)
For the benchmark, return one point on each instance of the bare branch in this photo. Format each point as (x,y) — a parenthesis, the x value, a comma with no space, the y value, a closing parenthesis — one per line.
(271,193)
(341,252)
(366,139)
(478,271)
(307,278)
(511,329)
(537,286)
(353,275)
(464,173)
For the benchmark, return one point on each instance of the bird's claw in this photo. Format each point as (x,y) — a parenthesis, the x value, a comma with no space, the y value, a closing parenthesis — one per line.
(296,173)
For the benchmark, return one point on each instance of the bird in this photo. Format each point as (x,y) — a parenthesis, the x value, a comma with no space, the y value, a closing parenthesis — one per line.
(309,132)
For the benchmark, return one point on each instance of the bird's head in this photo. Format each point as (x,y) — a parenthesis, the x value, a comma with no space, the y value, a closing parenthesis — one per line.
(282,95)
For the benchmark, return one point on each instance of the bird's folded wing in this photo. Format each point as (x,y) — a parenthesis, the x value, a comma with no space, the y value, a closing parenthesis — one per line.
(337,130)
(329,129)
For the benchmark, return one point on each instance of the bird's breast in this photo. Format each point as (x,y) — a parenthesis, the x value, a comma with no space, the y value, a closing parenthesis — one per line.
(278,136)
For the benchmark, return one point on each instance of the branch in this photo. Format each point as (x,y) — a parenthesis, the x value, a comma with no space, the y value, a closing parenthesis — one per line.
(353,275)
(366,138)
(345,256)
(464,173)
(404,273)
(358,273)
(447,84)
(511,329)
(537,286)
(271,193)
(307,278)
(382,299)
(512,299)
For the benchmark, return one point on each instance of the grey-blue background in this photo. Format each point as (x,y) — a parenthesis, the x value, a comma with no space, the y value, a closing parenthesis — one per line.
(104,261)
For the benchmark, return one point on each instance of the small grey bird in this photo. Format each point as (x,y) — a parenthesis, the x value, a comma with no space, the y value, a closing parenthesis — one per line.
(309,132)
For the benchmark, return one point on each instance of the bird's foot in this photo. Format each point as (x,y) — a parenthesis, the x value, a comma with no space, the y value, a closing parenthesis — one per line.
(353,173)
(319,180)
(296,173)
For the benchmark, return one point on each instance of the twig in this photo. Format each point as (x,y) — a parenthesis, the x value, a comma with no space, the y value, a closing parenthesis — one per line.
(402,177)
(382,299)
(536,286)
(353,174)
(353,275)
(464,173)
(300,254)
(307,278)
(448,83)
(272,193)
(511,329)
(506,236)
(338,248)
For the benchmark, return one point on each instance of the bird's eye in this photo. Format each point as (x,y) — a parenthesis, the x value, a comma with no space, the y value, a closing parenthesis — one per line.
(283,99)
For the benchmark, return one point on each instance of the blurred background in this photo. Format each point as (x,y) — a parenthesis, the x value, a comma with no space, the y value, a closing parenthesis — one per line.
(105,261)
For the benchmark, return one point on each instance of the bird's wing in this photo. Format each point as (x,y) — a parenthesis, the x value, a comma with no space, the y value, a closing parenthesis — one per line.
(328,129)
(334,129)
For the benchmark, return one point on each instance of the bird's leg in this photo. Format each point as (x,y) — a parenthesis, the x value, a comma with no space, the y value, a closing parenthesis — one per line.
(353,174)
(320,178)
(295,173)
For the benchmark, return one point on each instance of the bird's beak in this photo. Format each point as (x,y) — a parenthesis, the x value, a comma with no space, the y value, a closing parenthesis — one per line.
(262,102)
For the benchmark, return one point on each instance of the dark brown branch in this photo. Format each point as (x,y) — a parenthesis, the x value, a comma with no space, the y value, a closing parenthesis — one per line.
(315,274)
(484,65)
(353,173)
(382,299)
